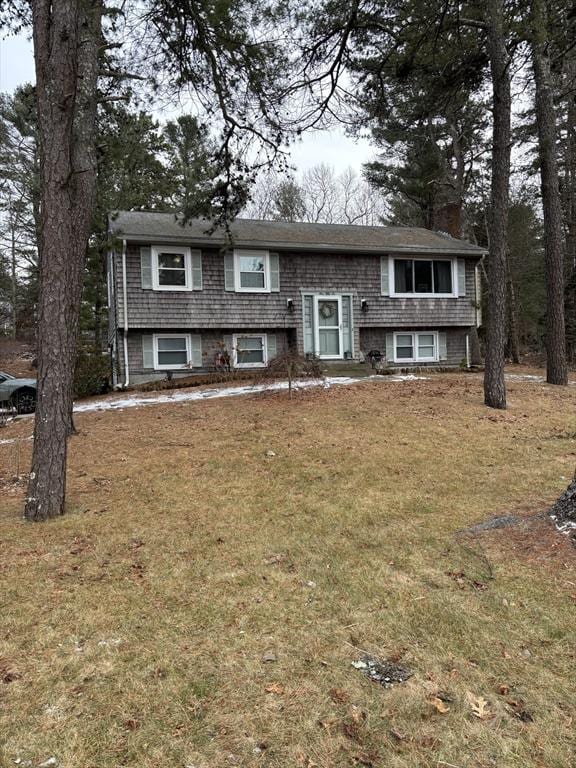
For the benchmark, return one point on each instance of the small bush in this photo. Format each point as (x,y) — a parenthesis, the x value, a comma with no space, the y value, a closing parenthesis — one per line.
(292,366)
(92,373)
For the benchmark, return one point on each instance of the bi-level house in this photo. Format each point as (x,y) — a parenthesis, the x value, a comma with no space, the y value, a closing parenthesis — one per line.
(178,296)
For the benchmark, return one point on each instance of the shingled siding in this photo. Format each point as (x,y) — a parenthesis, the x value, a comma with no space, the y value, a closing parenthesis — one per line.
(375,339)
(212,342)
(213,307)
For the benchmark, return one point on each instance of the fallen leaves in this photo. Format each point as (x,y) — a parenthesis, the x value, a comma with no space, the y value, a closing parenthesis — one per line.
(519,710)
(8,675)
(338,696)
(463,581)
(276,688)
(132,724)
(368,759)
(439,705)
(479,706)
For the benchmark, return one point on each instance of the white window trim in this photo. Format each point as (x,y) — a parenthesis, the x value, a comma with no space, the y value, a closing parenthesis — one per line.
(187,364)
(245,252)
(156,249)
(238,336)
(392,285)
(415,358)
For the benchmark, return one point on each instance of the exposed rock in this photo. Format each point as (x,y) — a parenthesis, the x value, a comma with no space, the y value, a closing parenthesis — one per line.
(563,511)
(383,672)
(503,521)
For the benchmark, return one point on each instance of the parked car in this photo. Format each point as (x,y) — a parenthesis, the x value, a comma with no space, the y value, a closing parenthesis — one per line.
(17,393)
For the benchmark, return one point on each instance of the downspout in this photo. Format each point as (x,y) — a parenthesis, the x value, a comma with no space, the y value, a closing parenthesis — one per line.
(468,350)
(125,301)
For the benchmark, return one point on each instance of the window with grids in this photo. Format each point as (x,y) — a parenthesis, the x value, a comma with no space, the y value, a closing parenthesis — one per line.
(172,351)
(250,351)
(171,267)
(415,347)
(252,271)
(422,276)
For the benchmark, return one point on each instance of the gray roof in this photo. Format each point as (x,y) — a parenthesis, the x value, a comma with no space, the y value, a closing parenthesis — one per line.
(282,235)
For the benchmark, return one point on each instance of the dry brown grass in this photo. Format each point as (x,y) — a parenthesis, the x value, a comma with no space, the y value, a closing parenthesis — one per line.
(133,629)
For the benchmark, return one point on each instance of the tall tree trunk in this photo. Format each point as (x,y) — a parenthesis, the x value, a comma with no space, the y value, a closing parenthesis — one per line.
(512,308)
(14,278)
(67,36)
(494,384)
(556,366)
(570,165)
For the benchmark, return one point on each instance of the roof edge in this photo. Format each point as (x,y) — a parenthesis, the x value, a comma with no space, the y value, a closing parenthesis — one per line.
(468,250)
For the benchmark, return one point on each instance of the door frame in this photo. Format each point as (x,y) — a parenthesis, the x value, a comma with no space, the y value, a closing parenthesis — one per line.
(328,297)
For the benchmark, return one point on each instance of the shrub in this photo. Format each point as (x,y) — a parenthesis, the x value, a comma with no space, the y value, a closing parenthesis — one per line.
(292,366)
(92,373)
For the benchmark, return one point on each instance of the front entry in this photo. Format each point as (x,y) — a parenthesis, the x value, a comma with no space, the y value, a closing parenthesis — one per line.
(328,322)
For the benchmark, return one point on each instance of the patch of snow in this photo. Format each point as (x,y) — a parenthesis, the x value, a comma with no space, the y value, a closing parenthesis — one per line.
(531,377)
(112,641)
(14,440)
(566,527)
(135,401)
(524,377)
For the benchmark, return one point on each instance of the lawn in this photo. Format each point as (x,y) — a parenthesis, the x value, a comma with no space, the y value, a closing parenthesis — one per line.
(223,563)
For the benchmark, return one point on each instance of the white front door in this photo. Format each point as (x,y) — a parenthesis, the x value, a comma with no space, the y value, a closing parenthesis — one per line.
(328,311)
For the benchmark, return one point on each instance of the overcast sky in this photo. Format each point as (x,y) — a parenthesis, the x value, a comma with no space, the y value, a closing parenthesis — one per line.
(331,147)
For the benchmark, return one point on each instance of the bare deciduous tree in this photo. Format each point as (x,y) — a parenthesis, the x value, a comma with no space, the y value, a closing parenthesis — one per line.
(320,196)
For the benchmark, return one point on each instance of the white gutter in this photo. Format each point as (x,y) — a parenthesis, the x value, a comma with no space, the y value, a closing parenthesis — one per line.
(125,300)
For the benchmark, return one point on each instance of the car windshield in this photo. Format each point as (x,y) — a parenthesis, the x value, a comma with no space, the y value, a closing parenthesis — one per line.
(4,376)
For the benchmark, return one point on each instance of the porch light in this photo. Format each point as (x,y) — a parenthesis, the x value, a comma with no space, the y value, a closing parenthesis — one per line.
(363,305)
(289,305)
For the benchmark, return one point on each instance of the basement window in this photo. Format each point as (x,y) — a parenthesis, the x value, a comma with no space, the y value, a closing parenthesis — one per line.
(172,351)
(416,347)
(250,351)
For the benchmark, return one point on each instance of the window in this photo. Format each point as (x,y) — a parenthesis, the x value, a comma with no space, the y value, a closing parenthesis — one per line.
(416,347)
(252,271)
(404,346)
(419,277)
(172,351)
(171,268)
(250,351)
